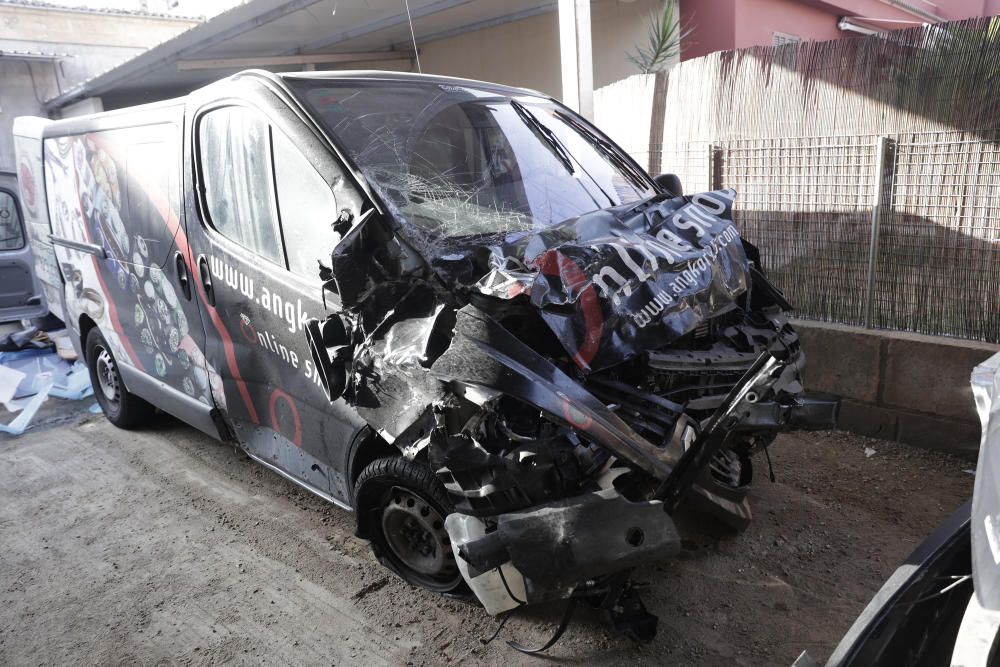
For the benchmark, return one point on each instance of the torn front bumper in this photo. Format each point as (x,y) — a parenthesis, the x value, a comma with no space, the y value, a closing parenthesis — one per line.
(558,548)
(769,398)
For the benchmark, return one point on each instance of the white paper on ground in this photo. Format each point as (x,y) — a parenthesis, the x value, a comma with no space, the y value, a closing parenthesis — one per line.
(74,385)
(9,379)
(39,371)
(21,422)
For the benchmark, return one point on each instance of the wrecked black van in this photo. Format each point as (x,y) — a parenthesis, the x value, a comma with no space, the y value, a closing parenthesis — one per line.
(456,308)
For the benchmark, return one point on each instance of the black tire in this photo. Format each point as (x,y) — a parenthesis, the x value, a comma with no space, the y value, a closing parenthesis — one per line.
(122,408)
(401,510)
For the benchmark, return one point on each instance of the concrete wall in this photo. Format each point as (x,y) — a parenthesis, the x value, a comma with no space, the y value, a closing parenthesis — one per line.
(92,43)
(898,386)
(69,26)
(26,84)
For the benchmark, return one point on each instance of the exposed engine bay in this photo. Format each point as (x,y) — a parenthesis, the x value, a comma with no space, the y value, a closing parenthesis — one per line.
(570,388)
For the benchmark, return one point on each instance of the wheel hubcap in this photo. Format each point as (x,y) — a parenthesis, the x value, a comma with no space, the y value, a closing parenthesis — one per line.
(415,533)
(107,377)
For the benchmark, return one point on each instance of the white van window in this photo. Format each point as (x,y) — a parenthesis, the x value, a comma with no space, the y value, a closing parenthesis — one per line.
(239,186)
(307,207)
(11,231)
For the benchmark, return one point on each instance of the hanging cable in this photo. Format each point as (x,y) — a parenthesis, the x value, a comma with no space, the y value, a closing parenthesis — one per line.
(770,468)
(503,622)
(413,36)
(520,603)
(567,617)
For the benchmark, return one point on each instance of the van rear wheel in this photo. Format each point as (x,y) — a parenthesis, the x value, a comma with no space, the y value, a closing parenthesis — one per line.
(122,408)
(401,510)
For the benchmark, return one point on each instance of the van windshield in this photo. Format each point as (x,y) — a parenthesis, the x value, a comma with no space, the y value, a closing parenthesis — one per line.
(460,161)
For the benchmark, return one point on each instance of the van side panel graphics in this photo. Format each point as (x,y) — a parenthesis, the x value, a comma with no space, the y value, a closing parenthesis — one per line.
(85,289)
(162,218)
(172,221)
(123,181)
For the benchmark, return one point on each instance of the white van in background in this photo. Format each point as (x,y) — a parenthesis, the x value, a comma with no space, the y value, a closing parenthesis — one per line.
(20,295)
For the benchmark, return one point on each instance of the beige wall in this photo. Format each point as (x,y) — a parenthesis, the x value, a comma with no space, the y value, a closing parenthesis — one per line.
(526,52)
(522,53)
(617,27)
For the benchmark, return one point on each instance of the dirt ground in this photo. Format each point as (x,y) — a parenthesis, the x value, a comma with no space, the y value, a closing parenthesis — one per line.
(163,547)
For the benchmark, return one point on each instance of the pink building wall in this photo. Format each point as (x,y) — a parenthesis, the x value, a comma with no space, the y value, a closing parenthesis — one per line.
(728,24)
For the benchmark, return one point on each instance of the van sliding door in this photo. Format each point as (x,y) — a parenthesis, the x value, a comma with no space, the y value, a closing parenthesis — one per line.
(116,190)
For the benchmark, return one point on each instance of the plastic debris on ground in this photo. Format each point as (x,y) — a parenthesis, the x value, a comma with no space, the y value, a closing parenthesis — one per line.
(34,366)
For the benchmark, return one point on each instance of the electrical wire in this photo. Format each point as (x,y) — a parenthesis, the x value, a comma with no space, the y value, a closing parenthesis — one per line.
(413,36)
(503,622)
(520,603)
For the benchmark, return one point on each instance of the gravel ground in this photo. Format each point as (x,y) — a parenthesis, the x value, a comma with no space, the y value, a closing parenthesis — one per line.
(164,547)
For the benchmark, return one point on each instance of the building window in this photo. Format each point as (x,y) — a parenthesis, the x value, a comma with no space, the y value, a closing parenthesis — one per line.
(786,52)
(781,39)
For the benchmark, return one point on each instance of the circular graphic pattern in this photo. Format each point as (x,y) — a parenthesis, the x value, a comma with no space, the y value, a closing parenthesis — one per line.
(281,406)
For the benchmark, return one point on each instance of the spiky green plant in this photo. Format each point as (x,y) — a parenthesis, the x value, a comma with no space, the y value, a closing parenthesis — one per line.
(663,40)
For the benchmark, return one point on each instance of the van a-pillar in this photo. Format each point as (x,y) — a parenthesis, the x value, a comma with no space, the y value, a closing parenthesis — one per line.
(576,58)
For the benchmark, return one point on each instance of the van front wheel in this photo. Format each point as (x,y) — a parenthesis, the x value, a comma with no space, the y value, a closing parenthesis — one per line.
(401,510)
(122,408)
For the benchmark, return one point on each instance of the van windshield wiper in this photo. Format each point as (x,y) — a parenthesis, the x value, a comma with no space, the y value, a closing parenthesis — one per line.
(548,135)
(608,150)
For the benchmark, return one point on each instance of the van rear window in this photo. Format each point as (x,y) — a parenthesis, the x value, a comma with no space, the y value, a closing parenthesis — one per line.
(11,229)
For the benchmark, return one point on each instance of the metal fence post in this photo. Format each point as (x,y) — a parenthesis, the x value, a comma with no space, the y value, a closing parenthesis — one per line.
(714,166)
(885,168)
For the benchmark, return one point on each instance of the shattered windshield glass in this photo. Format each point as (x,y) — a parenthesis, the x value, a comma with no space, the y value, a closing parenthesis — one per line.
(459,161)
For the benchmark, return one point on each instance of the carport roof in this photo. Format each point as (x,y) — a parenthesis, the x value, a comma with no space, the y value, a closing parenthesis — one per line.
(281,36)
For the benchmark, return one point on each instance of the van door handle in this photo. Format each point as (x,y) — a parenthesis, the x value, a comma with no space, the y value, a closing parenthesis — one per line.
(206,280)
(182,275)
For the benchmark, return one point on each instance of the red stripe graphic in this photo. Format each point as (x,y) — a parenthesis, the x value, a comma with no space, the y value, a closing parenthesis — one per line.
(554,263)
(273,410)
(108,303)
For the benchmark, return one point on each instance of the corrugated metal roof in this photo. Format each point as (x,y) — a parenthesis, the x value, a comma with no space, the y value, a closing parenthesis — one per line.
(41,4)
(262,28)
(13,54)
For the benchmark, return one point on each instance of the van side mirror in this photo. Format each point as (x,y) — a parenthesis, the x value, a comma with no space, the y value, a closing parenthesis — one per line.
(670,184)
(329,343)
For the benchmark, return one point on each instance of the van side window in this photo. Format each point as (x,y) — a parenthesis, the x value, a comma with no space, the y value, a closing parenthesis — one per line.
(307,206)
(236,173)
(11,230)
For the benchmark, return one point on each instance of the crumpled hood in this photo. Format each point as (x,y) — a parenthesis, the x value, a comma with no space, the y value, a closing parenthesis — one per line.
(618,281)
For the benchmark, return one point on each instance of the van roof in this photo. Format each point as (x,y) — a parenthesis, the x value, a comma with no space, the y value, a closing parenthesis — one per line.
(83,123)
(387,75)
